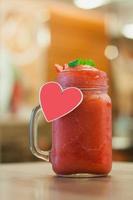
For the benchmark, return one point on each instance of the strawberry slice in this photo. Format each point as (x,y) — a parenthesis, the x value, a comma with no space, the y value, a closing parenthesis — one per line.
(58,67)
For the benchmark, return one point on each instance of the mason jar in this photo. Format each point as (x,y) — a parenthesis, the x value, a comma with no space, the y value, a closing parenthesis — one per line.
(81,140)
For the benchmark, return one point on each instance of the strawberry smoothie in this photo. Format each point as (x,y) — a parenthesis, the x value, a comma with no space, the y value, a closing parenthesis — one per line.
(81,140)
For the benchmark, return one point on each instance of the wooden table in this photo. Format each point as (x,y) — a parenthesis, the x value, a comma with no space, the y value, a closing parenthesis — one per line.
(36,181)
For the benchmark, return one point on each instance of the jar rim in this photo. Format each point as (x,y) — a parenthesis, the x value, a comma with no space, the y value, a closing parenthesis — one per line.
(91,80)
(102,88)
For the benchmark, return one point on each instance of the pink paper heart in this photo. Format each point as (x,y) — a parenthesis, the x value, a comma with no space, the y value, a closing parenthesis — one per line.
(56,102)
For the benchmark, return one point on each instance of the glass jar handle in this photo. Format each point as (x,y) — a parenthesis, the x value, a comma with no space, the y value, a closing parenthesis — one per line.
(33,135)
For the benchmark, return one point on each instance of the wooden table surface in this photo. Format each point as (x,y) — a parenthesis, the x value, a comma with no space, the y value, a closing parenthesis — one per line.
(36,181)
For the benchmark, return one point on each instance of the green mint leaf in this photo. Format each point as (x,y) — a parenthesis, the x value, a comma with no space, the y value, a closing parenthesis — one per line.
(90,62)
(73,63)
(80,61)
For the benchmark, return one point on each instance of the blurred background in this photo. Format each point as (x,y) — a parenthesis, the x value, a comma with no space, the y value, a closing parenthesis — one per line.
(35,34)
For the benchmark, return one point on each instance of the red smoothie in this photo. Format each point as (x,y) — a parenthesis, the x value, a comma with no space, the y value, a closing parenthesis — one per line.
(81,140)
